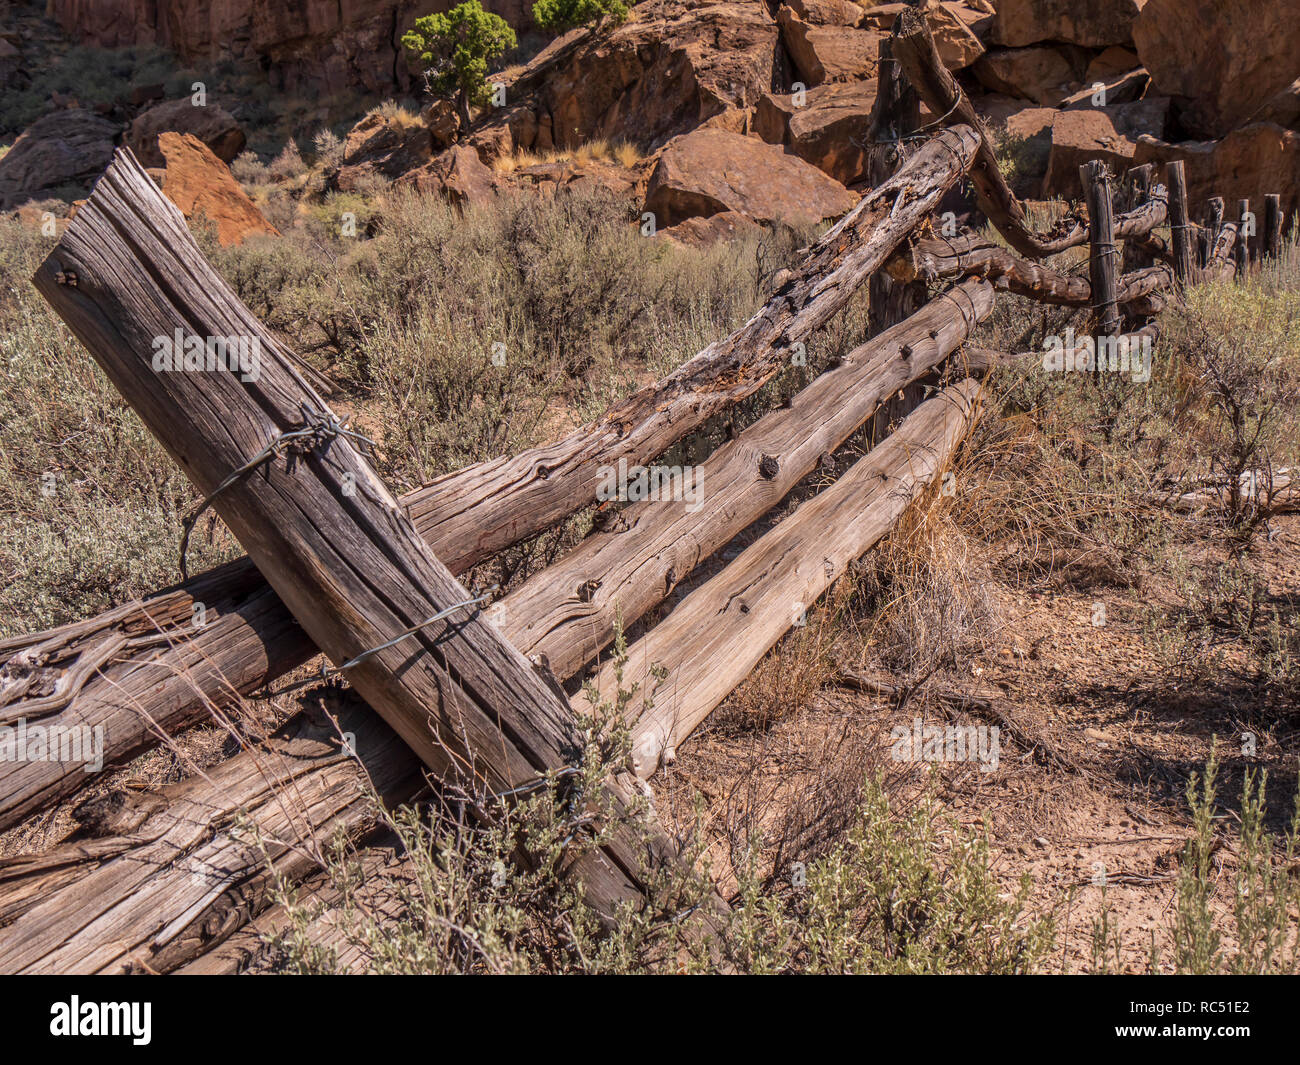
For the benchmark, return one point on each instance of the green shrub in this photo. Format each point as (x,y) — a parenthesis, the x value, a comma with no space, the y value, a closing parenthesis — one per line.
(560,15)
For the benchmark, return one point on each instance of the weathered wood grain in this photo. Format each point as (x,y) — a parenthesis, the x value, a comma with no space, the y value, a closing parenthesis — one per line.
(689,662)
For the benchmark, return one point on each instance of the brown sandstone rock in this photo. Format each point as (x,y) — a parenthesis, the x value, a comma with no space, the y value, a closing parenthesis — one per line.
(703,232)
(1093,23)
(828,53)
(202,186)
(1043,74)
(710,171)
(1224,60)
(830,130)
(212,124)
(64,148)
(1110,134)
(457,174)
(381,147)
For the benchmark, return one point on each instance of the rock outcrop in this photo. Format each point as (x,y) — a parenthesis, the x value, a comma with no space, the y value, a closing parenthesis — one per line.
(1221,61)
(1107,133)
(710,171)
(202,186)
(1042,73)
(828,53)
(212,124)
(1093,23)
(830,129)
(671,67)
(70,147)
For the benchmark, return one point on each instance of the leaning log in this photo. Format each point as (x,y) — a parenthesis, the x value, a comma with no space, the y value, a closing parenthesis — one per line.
(146,669)
(316,520)
(692,659)
(915,51)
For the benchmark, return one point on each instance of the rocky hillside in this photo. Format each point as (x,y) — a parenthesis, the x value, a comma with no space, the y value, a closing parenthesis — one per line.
(734,110)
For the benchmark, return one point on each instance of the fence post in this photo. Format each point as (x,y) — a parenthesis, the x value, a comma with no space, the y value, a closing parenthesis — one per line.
(1272,244)
(1178,225)
(1242,252)
(1101,261)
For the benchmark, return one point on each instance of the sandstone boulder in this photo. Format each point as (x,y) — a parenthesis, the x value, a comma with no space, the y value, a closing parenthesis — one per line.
(710,171)
(1108,133)
(1222,61)
(458,174)
(956,29)
(827,12)
(212,124)
(1092,23)
(381,146)
(828,53)
(1023,136)
(201,185)
(830,130)
(64,148)
(1043,73)
(1248,163)
(704,232)
(1111,62)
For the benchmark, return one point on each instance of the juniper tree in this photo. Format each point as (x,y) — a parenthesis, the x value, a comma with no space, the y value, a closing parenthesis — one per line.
(454,50)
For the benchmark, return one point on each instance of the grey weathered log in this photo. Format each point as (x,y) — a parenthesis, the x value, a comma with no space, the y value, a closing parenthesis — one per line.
(137,886)
(895,115)
(569,611)
(1272,244)
(1134,191)
(1103,257)
(1207,236)
(692,659)
(914,48)
(146,669)
(319,524)
(1180,229)
(158,877)
(970,255)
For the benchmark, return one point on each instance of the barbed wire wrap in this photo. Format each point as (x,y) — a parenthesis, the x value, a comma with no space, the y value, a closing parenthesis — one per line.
(326,670)
(317,428)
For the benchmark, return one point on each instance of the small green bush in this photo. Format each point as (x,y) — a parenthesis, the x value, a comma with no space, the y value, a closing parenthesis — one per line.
(560,15)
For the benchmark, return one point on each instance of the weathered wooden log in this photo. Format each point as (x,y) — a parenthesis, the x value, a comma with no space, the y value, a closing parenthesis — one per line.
(1135,191)
(969,255)
(895,115)
(1220,265)
(1241,254)
(569,612)
(285,476)
(162,671)
(1103,258)
(1179,227)
(1272,244)
(689,662)
(1208,235)
(915,51)
(528,493)
(160,876)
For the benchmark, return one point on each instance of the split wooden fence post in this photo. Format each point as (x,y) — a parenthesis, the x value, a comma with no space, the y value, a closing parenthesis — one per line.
(1103,254)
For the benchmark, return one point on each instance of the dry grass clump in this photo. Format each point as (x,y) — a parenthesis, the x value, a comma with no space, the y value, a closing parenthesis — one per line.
(600,150)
